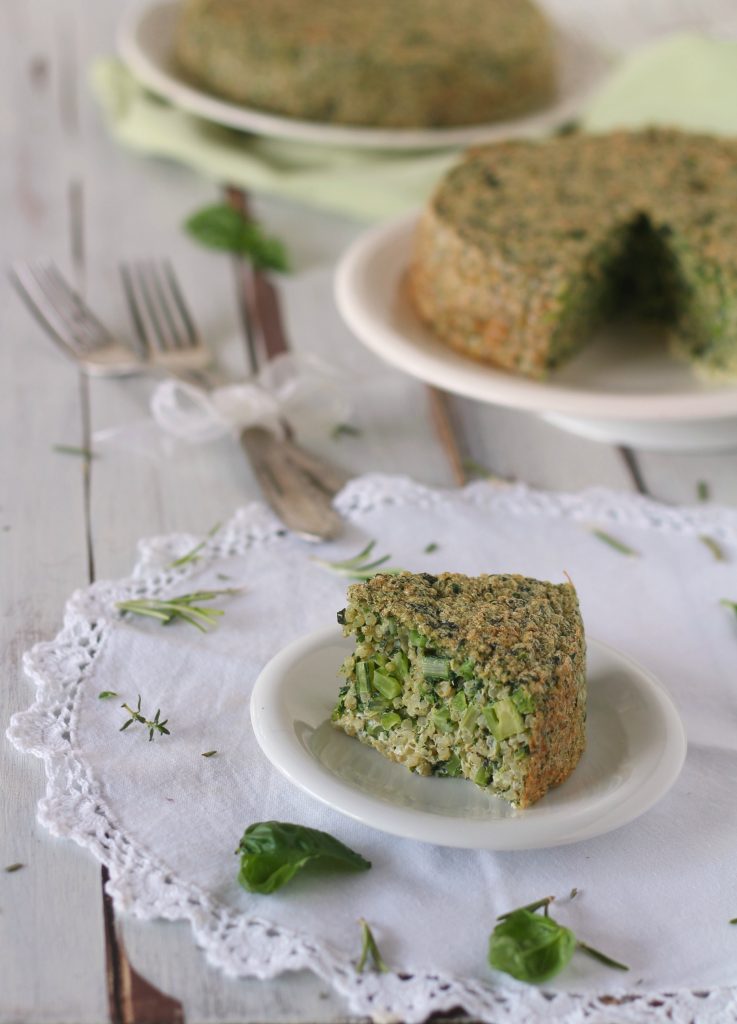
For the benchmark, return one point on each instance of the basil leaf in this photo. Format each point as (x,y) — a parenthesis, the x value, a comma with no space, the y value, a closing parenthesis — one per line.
(530,947)
(272,852)
(222,227)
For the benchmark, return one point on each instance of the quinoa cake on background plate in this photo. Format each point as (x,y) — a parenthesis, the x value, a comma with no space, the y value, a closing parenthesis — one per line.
(521,729)
(518,81)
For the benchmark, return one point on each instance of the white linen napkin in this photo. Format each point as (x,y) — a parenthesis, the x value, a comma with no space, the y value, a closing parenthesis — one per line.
(657,894)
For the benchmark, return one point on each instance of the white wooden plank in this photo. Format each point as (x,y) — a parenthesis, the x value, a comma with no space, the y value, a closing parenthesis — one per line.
(51,936)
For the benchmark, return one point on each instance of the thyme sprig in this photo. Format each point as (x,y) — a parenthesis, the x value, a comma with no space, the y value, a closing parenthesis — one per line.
(195,553)
(184,606)
(360,567)
(154,725)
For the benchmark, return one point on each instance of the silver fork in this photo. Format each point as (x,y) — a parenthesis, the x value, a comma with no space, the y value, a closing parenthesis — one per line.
(297,485)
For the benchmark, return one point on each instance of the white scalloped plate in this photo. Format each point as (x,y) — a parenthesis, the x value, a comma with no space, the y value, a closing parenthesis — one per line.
(624,388)
(636,746)
(145,44)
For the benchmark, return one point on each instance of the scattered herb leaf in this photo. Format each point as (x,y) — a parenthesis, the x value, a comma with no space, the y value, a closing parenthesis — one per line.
(714,546)
(222,227)
(223,576)
(209,753)
(429,548)
(359,567)
(703,491)
(618,545)
(476,469)
(105,694)
(11,868)
(272,852)
(729,604)
(733,920)
(70,449)
(184,607)
(194,554)
(153,725)
(345,430)
(534,948)
(369,949)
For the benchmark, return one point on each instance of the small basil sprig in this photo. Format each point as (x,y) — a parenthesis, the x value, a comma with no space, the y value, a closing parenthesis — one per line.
(272,852)
(222,227)
(535,948)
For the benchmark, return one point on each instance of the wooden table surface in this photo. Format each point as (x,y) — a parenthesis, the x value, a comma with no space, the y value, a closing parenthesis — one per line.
(68,192)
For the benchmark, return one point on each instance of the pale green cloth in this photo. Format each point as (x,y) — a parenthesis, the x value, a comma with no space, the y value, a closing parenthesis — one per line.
(685,80)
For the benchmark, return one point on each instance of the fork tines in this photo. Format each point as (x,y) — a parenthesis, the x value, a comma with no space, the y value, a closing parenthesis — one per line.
(59,308)
(160,316)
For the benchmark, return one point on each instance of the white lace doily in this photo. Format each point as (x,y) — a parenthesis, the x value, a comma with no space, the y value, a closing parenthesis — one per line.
(657,894)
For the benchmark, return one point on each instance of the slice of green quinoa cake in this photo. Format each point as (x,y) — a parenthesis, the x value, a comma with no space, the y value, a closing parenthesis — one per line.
(482,677)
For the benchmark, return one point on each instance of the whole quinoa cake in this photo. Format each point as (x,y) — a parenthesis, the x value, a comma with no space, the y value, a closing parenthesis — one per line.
(388,63)
(482,677)
(527,246)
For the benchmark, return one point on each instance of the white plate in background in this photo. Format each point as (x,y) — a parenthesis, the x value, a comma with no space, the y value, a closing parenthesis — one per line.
(636,746)
(624,388)
(145,43)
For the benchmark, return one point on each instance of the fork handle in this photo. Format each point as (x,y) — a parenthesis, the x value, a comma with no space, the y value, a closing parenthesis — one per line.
(297,485)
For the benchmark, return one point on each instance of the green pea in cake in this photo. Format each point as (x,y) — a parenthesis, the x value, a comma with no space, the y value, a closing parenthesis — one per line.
(387,63)
(526,247)
(478,677)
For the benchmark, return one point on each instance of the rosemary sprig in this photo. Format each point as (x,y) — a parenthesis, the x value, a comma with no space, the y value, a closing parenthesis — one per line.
(183,606)
(369,949)
(153,725)
(344,430)
(12,868)
(209,753)
(70,449)
(194,554)
(714,546)
(618,545)
(359,567)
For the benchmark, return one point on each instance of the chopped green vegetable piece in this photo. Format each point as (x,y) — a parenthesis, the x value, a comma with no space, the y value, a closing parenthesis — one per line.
(450,768)
(467,669)
(435,668)
(441,718)
(401,664)
(364,674)
(523,701)
(272,852)
(387,686)
(483,775)
(470,718)
(417,639)
(503,719)
(389,720)
(458,702)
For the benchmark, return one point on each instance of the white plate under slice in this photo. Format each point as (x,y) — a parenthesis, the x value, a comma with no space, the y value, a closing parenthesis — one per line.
(146,45)
(636,746)
(624,388)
